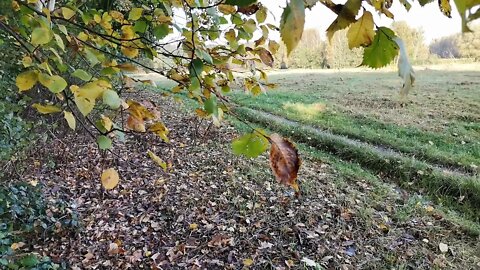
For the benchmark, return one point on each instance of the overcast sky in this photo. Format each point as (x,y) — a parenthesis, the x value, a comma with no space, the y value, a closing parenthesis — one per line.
(429,18)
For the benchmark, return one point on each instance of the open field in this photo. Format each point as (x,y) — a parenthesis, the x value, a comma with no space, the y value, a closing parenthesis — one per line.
(440,122)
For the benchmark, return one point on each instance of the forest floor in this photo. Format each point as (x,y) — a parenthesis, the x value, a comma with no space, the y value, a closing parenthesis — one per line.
(213,210)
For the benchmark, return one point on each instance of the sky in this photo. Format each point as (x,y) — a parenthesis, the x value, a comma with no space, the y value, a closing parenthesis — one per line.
(429,17)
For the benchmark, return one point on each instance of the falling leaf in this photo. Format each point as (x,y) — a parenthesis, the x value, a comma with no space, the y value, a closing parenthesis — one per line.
(284,161)
(160,130)
(265,245)
(443,247)
(309,262)
(46,109)
(70,119)
(247,262)
(110,178)
(136,124)
(157,160)
(113,249)
(18,245)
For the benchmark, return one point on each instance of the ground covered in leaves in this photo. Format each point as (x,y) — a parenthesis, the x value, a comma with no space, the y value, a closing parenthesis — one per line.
(214,210)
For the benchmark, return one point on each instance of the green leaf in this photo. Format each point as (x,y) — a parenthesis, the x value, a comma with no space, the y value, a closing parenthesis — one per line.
(261,15)
(41,35)
(383,49)
(135,14)
(104,142)
(30,260)
(59,41)
(424,2)
(54,83)
(251,145)
(140,26)
(196,68)
(240,3)
(112,99)
(292,23)
(82,75)
(211,106)
(161,31)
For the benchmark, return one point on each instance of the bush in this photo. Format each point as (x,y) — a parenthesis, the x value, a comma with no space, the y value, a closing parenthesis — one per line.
(23,218)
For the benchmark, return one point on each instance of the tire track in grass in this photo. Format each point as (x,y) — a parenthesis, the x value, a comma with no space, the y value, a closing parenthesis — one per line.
(447,186)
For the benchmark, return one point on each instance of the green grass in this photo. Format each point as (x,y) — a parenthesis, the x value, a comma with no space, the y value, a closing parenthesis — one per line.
(450,136)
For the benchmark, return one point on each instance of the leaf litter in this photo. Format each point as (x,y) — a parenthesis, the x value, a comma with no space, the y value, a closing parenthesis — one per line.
(213,210)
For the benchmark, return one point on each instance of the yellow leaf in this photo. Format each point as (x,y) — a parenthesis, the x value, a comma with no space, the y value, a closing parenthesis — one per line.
(84,105)
(110,178)
(93,90)
(137,110)
(41,35)
(18,245)
(27,61)
(157,160)
(193,226)
(135,14)
(292,23)
(130,52)
(445,7)
(160,130)
(136,124)
(15,6)
(128,32)
(227,9)
(346,16)
(46,109)
(70,119)
(107,123)
(361,33)
(67,13)
(247,262)
(82,36)
(26,80)
(117,16)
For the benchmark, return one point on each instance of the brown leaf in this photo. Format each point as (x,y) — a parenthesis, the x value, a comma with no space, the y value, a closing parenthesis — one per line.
(265,56)
(284,161)
(249,10)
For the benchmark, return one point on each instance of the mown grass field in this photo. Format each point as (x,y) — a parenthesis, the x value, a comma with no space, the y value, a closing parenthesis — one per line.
(439,123)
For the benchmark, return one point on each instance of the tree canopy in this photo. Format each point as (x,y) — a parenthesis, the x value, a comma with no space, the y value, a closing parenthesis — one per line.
(77,56)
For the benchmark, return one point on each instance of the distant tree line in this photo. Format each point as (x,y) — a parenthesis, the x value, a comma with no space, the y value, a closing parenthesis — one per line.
(315,52)
(465,45)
